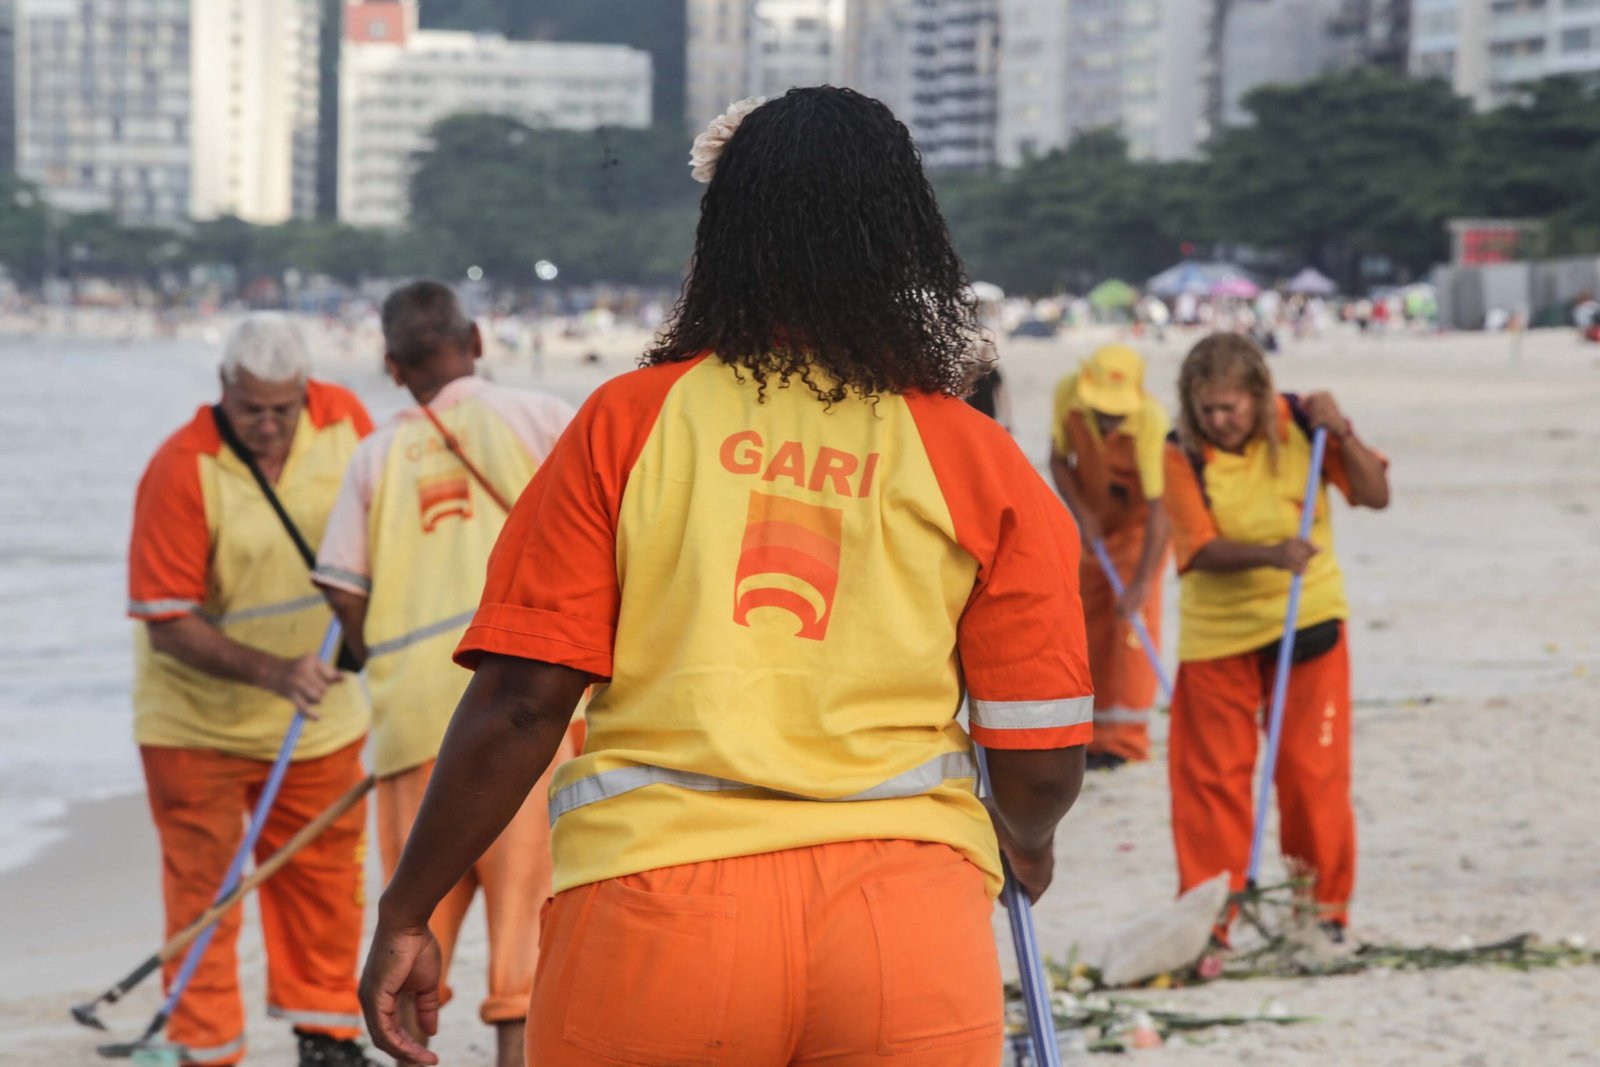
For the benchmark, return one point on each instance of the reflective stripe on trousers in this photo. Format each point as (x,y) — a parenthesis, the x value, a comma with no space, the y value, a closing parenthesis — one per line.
(214,1052)
(421,633)
(315,1018)
(614,783)
(1121,716)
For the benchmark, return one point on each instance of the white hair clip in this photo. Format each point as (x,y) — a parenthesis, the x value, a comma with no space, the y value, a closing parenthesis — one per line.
(708,146)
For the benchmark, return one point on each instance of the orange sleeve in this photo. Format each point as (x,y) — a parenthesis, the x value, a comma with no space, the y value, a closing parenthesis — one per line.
(552,592)
(1021,639)
(170,549)
(327,404)
(1192,524)
(1333,468)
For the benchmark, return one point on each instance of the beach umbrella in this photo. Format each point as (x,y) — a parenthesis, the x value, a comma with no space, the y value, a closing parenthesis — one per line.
(1235,286)
(1312,282)
(1186,277)
(987,292)
(1113,293)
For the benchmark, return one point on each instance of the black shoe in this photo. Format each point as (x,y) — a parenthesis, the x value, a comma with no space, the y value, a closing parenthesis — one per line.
(1102,761)
(1334,931)
(323,1050)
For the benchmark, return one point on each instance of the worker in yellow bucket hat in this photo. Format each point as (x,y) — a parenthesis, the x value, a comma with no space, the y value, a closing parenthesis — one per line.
(1108,437)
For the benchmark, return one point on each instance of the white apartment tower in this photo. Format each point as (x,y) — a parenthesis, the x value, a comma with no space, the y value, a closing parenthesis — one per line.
(740,48)
(1068,66)
(1488,49)
(396,82)
(254,86)
(165,110)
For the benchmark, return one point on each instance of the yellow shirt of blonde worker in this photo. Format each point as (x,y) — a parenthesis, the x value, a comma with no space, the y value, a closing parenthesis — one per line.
(1249,499)
(206,541)
(412,531)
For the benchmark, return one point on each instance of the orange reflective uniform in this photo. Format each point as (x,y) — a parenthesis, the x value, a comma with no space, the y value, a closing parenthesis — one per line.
(310,910)
(205,541)
(514,876)
(1225,673)
(785,599)
(846,954)
(1119,474)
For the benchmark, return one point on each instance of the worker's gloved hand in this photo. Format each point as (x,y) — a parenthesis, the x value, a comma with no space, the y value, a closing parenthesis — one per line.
(1033,869)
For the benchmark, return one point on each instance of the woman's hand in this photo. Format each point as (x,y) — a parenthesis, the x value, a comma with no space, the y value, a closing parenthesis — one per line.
(402,960)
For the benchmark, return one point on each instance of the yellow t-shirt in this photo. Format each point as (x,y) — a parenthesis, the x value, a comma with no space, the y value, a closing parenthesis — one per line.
(1243,498)
(412,531)
(787,600)
(206,541)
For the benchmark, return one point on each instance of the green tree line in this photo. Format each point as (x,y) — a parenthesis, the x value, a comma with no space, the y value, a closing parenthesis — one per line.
(1341,173)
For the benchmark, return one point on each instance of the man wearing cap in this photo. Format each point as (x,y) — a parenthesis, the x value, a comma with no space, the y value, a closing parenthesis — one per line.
(1107,436)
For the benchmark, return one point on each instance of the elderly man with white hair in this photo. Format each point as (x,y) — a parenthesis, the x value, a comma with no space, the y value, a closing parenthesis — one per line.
(226,650)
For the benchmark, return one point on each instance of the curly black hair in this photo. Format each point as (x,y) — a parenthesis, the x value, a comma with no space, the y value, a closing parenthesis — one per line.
(820,245)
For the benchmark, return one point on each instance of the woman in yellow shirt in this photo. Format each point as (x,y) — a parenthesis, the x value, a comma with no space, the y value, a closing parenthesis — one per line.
(1236,473)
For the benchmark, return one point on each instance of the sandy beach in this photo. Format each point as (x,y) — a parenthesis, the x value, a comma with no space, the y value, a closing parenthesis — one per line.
(1476,652)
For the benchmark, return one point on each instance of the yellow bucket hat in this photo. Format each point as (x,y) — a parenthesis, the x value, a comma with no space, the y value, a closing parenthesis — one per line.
(1112,380)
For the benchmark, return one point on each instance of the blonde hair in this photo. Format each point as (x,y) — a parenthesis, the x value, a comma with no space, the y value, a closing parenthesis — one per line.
(1230,359)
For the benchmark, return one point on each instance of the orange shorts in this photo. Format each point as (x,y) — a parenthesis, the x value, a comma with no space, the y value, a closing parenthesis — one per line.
(842,954)
(514,876)
(311,910)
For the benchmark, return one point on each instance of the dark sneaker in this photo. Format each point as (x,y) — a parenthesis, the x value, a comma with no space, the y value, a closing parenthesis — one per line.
(322,1050)
(1102,761)
(1334,931)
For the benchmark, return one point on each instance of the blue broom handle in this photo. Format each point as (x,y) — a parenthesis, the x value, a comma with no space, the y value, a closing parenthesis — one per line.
(1030,961)
(1146,642)
(258,821)
(1280,679)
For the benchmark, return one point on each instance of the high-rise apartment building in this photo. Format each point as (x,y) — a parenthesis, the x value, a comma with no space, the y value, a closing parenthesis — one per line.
(717,57)
(1068,66)
(255,85)
(8,86)
(1277,42)
(954,70)
(165,110)
(1489,49)
(396,81)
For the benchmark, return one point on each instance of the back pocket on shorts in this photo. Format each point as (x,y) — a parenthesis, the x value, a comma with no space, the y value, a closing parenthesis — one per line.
(939,967)
(650,985)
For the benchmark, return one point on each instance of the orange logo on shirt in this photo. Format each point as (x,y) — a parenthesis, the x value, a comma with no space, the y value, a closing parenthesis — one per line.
(789,560)
(441,496)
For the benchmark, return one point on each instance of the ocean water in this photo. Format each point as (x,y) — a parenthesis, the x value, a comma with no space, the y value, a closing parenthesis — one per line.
(78,422)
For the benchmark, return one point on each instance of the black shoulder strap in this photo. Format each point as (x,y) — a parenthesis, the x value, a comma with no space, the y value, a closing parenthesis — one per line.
(236,446)
(346,660)
(1297,411)
(1197,463)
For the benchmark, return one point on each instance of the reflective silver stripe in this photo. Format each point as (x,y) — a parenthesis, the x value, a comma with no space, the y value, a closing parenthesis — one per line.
(315,1018)
(433,629)
(1032,714)
(160,607)
(214,1052)
(1121,715)
(340,576)
(614,783)
(266,611)
(919,780)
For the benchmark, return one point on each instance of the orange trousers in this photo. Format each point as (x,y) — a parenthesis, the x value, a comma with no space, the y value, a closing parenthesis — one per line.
(514,876)
(1124,681)
(311,910)
(1218,712)
(846,954)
